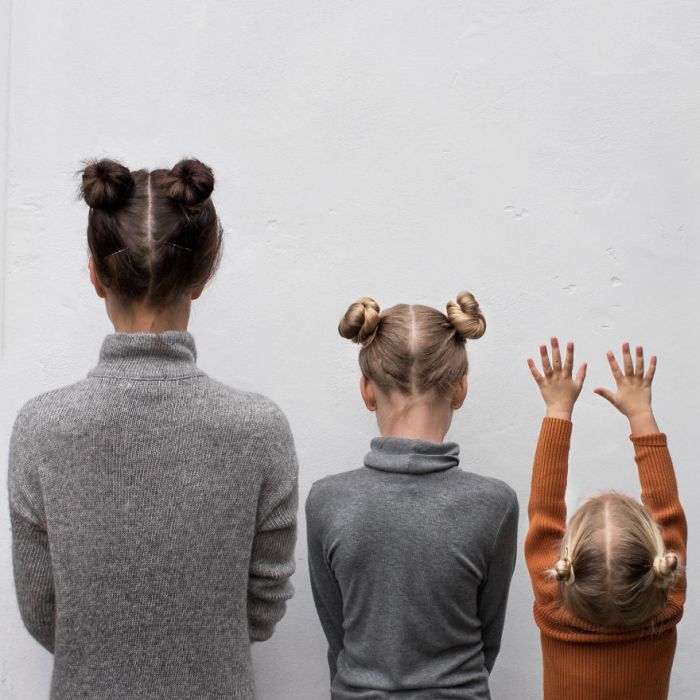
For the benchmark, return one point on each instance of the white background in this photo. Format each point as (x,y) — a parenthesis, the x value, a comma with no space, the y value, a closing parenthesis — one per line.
(542,154)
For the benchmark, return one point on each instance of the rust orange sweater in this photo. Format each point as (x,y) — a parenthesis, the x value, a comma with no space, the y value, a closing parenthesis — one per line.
(583,661)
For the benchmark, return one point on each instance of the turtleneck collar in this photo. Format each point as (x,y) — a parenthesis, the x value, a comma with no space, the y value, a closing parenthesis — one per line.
(392,454)
(167,355)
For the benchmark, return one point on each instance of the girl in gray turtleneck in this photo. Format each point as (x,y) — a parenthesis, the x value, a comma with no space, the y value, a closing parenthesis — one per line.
(153,508)
(410,556)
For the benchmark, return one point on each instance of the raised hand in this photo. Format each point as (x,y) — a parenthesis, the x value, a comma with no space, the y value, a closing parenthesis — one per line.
(633,395)
(558,386)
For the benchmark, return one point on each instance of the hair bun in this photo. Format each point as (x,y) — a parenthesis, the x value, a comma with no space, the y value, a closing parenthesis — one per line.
(190,182)
(665,567)
(465,315)
(564,571)
(106,184)
(360,321)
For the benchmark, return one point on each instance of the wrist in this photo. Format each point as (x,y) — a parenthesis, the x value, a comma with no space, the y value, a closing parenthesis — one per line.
(643,422)
(561,413)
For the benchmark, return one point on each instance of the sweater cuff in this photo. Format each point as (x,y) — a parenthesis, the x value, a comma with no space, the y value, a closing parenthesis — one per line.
(557,429)
(649,440)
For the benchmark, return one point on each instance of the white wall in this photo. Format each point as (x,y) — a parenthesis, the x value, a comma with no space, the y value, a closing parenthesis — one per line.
(542,154)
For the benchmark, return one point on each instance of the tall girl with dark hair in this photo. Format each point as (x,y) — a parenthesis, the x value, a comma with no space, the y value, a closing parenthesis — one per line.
(153,508)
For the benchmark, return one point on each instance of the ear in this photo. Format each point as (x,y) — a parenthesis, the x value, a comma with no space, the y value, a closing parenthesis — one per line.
(459,393)
(369,395)
(197,292)
(99,288)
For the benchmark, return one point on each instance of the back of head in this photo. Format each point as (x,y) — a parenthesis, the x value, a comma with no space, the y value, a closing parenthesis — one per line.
(154,236)
(614,568)
(411,348)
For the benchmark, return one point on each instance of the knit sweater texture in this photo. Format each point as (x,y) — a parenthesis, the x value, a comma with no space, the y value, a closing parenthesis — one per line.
(411,560)
(153,515)
(583,661)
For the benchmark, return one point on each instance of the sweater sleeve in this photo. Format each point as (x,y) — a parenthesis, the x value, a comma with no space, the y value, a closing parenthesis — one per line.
(272,558)
(324,587)
(547,507)
(660,495)
(493,593)
(31,559)
(33,579)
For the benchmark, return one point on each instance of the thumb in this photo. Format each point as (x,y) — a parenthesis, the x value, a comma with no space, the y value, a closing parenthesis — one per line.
(605,393)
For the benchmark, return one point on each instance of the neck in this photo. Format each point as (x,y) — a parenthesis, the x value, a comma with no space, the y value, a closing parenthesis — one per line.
(139,318)
(415,419)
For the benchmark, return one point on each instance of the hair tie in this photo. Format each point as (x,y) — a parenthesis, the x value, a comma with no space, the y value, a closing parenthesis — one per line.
(564,569)
(572,575)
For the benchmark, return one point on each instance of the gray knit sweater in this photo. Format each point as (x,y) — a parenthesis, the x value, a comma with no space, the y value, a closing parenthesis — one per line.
(153,516)
(410,561)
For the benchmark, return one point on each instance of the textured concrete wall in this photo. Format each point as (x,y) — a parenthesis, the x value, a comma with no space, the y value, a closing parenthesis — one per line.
(542,154)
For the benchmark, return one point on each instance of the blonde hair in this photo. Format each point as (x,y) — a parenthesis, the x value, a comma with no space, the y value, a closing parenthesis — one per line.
(413,348)
(613,567)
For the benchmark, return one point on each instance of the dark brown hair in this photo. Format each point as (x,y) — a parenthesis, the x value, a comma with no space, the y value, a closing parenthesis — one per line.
(411,348)
(154,236)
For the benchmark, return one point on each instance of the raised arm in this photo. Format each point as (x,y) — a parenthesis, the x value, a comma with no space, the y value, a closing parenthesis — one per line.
(547,507)
(656,474)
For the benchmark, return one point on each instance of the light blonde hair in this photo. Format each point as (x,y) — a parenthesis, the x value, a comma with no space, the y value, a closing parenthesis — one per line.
(614,568)
(411,348)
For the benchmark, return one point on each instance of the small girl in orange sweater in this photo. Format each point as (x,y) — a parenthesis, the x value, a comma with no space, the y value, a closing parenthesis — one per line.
(609,586)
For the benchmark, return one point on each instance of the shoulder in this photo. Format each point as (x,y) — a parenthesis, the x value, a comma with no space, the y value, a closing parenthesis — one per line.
(258,424)
(258,412)
(30,442)
(327,492)
(494,492)
(44,409)
(491,502)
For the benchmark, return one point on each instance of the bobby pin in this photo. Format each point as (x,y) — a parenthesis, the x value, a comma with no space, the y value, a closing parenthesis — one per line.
(174,245)
(115,252)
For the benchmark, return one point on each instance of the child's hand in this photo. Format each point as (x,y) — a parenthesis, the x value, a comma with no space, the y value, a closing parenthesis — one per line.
(559,389)
(633,397)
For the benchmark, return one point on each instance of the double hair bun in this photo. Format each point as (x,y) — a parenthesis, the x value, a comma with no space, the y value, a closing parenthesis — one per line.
(107,184)
(361,321)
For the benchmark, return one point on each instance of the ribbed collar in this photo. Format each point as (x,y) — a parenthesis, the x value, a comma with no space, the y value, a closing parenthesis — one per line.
(392,454)
(167,355)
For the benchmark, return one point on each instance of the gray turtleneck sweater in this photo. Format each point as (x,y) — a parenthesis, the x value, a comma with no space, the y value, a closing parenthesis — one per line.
(153,516)
(411,560)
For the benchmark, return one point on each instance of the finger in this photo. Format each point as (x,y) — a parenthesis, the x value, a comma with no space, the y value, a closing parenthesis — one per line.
(533,369)
(556,354)
(605,393)
(546,367)
(639,362)
(614,367)
(581,375)
(627,359)
(569,359)
(652,369)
